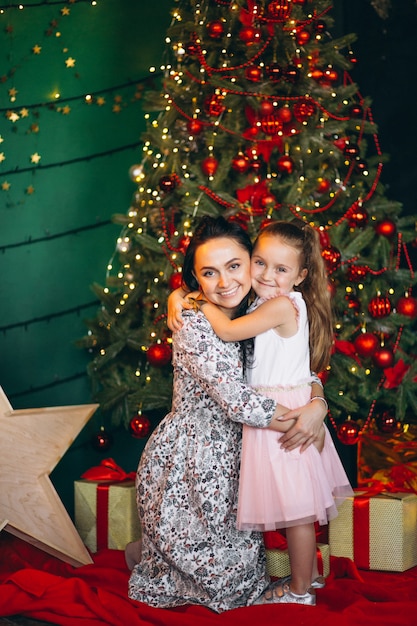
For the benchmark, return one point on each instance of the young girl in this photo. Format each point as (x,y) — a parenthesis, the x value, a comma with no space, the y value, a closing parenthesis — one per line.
(292,325)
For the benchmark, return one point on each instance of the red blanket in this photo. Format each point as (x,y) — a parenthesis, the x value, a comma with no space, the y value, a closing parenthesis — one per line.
(39,586)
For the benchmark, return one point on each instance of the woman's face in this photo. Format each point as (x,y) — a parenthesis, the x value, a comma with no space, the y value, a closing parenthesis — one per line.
(222,269)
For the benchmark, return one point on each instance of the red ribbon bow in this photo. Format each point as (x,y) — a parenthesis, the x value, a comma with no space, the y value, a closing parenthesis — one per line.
(108,470)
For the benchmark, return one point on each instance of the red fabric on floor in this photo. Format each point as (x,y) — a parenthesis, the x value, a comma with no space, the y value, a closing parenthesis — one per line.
(42,587)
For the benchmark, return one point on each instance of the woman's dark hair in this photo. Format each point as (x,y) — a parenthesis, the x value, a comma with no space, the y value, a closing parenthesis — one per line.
(213,228)
(209,228)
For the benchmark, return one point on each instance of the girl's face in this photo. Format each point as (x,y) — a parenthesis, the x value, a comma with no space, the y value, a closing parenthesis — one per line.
(222,269)
(275,267)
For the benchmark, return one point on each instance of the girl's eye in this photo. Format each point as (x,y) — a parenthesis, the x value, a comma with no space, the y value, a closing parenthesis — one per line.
(208,273)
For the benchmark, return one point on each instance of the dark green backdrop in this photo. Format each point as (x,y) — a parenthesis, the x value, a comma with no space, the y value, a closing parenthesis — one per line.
(58,240)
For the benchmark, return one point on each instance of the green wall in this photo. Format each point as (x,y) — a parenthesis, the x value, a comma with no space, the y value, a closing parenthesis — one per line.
(58,240)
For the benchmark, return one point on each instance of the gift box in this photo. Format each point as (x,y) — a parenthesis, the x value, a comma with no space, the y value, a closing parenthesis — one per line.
(105,507)
(278,560)
(377,531)
(390,459)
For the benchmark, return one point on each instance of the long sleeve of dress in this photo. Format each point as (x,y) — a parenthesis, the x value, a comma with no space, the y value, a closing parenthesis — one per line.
(214,366)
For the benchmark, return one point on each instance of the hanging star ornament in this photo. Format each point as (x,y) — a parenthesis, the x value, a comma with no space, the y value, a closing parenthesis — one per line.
(31,444)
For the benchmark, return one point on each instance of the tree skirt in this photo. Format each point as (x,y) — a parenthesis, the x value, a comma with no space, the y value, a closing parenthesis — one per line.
(37,585)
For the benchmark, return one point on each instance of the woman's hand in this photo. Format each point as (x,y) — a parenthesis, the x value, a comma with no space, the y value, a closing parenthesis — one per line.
(308,427)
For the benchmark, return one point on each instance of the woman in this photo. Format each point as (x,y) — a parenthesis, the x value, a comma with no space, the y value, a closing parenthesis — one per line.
(187,478)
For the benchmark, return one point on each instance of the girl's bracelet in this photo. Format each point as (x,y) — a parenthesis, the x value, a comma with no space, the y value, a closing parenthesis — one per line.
(322,399)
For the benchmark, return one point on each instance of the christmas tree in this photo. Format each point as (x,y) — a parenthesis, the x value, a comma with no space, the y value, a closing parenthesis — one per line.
(258,119)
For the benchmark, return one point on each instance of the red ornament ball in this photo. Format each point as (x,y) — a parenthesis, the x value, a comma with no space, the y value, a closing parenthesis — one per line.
(380,306)
(274,72)
(353,303)
(351,150)
(253,73)
(213,105)
(303,110)
(183,244)
(366,344)
(320,26)
(284,114)
(159,354)
(323,185)
(303,36)
(209,166)
(356,110)
(266,107)
(361,166)
(194,126)
(358,217)
(356,273)
(292,74)
(279,10)
(215,29)
(331,257)
(168,183)
(268,201)
(270,125)
(386,228)
(102,440)
(140,426)
(330,75)
(285,164)
(383,358)
(348,432)
(191,48)
(407,306)
(386,422)
(250,35)
(240,163)
(175,280)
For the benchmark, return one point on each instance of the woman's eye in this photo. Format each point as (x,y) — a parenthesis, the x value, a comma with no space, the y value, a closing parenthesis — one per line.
(235,266)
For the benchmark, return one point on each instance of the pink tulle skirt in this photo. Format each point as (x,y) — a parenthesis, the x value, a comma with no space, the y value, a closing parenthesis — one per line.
(278,489)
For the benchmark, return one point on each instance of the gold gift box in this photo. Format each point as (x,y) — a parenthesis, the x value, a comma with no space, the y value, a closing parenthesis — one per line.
(278,561)
(123,523)
(391,538)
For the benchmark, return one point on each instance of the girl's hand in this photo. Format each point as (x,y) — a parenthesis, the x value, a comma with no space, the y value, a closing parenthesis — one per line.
(177,303)
(307,429)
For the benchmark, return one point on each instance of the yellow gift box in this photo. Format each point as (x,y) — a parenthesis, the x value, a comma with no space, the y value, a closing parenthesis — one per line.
(278,561)
(378,532)
(105,509)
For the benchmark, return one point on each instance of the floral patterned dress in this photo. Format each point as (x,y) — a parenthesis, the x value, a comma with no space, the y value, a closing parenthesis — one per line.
(187,482)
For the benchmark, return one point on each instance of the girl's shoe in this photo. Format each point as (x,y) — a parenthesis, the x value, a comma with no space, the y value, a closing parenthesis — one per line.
(281,593)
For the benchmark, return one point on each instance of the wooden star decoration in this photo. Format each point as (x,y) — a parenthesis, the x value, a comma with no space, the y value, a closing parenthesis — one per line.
(2,157)
(36,49)
(70,62)
(35,158)
(5,186)
(30,190)
(31,444)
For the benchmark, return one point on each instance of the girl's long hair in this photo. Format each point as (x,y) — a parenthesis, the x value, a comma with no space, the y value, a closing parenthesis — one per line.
(314,287)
